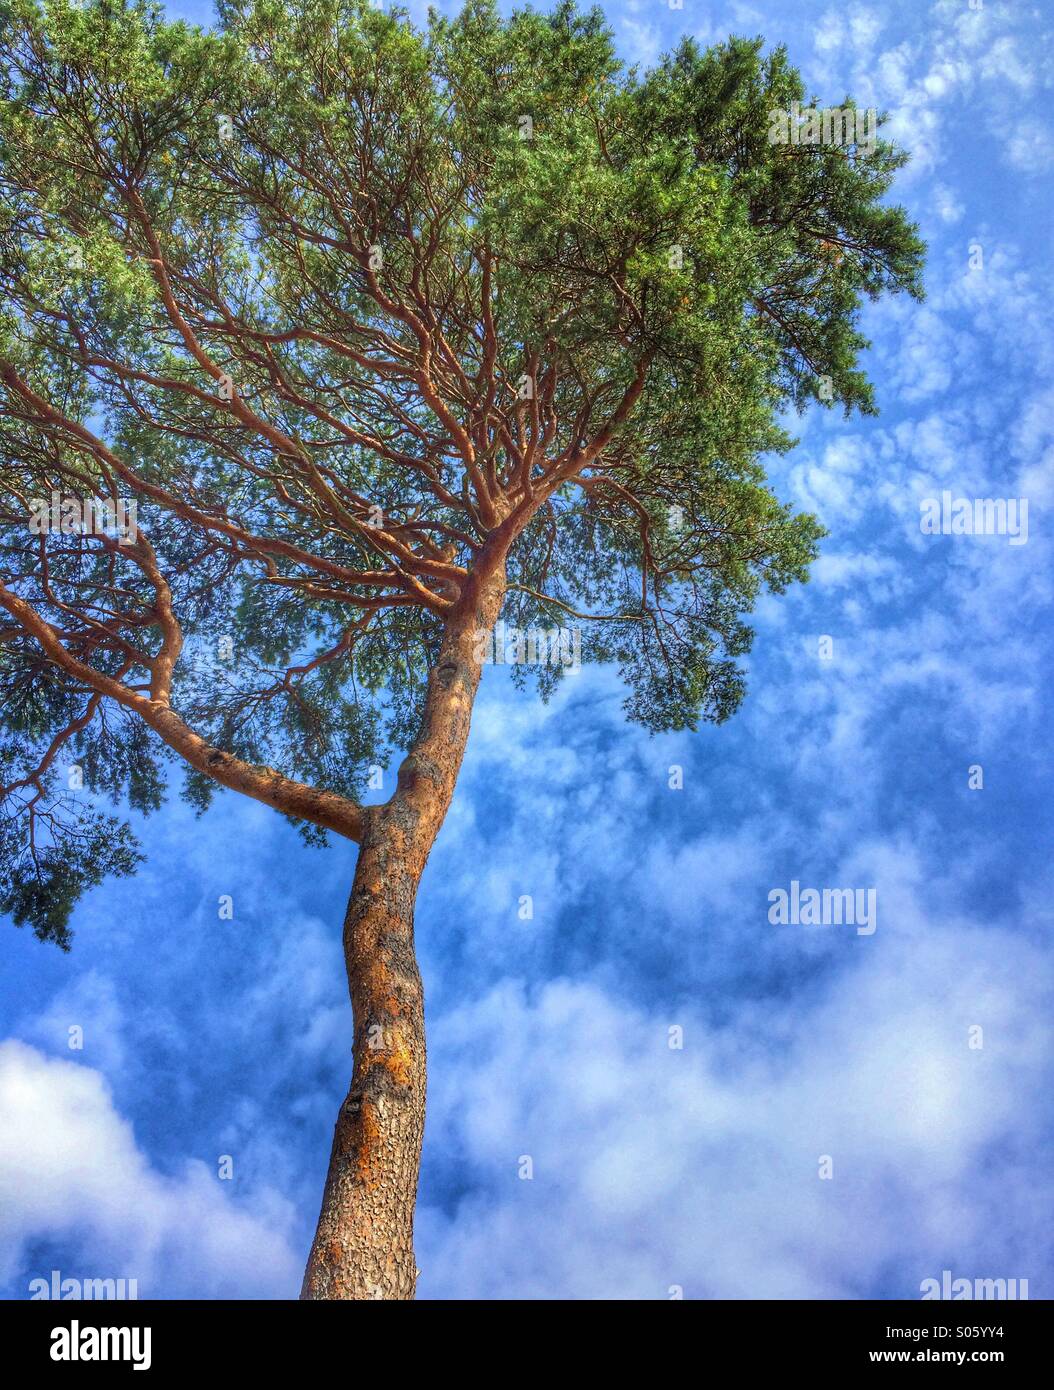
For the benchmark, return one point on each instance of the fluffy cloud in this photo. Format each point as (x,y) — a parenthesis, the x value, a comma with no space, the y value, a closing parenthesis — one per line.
(700,1168)
(72,1176)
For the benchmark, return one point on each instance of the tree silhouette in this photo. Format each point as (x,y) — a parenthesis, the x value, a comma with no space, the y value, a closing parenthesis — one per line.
(327,344)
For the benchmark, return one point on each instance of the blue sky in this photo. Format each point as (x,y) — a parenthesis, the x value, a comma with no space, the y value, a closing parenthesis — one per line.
(695,1168)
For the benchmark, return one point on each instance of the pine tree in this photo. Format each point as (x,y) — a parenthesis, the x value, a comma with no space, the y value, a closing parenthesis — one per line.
(326,344)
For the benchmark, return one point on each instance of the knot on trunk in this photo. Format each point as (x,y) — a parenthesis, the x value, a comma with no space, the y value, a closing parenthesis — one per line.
(418,765)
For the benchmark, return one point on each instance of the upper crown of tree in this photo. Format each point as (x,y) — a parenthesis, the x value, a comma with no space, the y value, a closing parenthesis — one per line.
(358,317)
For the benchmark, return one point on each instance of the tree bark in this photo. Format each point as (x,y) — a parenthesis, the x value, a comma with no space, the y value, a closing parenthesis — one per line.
(363,1247)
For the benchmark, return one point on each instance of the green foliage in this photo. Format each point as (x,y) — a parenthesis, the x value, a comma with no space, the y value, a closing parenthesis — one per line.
(667,279)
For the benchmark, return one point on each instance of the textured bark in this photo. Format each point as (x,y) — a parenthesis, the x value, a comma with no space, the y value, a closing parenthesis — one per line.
(363,1247)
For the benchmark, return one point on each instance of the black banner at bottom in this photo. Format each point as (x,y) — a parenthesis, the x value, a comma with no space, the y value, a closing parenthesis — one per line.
(73,1339)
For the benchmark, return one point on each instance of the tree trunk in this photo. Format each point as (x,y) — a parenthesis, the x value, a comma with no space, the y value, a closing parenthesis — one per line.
(363,1247)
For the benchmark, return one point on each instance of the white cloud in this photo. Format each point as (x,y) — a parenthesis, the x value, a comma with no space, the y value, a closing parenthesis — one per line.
(948,207)
(699,1167)
(71,1170)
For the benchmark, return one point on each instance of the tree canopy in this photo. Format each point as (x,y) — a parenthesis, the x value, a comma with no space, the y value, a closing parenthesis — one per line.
(347,309)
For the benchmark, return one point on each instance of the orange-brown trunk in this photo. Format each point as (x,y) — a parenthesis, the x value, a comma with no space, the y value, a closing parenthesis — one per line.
(363,1247)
